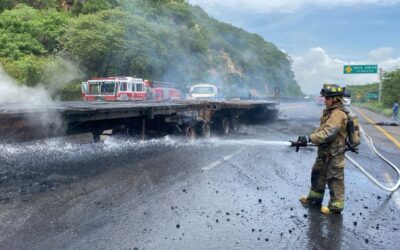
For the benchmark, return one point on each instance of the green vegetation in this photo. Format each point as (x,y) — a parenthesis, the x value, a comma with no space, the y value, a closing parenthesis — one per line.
(359,93)
(166,40)
(391,87)
(390,93)
(376,107)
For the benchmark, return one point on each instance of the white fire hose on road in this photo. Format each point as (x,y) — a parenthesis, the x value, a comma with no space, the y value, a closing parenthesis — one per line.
(376,182)
(365,172)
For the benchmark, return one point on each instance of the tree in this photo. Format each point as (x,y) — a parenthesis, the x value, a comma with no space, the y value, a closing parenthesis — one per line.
(391,87)
(39,4)
(91,38)
(26,31)
(92,6)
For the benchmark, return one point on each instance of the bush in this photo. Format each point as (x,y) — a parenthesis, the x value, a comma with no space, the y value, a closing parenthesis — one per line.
(26,70)
(70,92)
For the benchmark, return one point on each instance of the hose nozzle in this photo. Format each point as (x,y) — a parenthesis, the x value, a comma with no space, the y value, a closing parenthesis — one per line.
(298,144)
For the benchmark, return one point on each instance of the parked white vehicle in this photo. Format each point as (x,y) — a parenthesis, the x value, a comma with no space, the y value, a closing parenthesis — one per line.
(203,91)
(347,101)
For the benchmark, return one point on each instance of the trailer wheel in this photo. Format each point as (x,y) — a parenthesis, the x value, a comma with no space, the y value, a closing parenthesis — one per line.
(234,124)
(190,132)
(96,137)
(225,127)
(205,130)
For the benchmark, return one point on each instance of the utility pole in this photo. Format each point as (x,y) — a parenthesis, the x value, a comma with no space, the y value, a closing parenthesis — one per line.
(380,84)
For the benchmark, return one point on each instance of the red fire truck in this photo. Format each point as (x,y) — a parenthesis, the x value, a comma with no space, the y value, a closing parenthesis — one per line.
(114,89)
(162,91)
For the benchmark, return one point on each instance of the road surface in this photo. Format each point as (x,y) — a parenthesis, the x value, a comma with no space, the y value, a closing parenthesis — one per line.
(232,192)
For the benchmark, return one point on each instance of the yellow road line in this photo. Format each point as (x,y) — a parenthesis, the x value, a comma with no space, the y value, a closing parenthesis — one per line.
(389,136)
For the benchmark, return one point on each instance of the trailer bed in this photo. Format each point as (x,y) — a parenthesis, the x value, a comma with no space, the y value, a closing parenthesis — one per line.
(19,121)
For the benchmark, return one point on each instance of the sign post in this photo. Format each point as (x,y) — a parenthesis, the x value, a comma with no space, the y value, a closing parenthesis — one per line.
(380,84)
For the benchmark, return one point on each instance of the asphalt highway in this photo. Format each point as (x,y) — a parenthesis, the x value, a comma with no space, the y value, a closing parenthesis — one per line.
(232,192)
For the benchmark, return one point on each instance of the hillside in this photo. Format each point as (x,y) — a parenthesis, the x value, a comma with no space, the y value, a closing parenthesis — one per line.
(59,42)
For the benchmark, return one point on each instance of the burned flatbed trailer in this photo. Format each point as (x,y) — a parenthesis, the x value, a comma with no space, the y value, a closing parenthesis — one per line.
(21,122)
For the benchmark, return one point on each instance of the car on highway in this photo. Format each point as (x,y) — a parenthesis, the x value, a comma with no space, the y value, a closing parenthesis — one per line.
(320,100)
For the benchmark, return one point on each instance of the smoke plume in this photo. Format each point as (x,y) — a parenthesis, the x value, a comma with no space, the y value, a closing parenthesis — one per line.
(11,92)
(38,115)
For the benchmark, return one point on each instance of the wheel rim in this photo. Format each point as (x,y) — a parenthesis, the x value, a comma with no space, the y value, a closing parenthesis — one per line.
(206,131)
(190,133)
(225,126)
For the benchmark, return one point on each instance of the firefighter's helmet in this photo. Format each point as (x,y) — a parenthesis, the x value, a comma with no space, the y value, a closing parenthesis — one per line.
(331,90)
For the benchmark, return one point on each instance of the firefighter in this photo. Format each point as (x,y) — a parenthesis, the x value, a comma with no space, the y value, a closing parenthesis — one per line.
(329,164)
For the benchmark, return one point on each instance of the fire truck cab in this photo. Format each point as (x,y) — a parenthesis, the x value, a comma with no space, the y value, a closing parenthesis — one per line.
(114,89)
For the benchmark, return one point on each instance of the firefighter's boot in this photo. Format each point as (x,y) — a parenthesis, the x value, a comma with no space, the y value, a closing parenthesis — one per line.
(326,210)
(304,200)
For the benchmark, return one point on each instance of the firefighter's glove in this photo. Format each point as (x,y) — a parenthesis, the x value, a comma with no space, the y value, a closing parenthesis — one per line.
(351,148)
(301,142)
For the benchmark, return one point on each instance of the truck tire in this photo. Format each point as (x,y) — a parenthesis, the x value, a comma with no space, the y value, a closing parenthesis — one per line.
(205,130)
(190,132)
(96,137)
(225,127)
(234,124)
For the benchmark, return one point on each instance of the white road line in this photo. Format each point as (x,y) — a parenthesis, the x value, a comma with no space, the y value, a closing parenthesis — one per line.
(225,158)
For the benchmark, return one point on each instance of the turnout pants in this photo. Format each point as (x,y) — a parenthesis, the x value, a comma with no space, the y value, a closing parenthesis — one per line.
(328,170)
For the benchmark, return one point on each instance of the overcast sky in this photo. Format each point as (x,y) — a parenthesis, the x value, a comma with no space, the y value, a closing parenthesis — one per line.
(320,35)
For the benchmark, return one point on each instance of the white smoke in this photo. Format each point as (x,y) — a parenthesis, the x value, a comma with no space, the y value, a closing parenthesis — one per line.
(34,105)
(11,92)
(59,71)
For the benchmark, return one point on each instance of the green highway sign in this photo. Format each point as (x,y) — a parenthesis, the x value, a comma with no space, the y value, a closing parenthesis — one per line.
(372,95)
(360,69)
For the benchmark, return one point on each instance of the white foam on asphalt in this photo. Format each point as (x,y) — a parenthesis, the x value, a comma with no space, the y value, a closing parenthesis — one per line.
(56,152)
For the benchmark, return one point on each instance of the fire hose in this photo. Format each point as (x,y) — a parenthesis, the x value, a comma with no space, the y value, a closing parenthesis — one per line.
(355,163)
(376,182)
